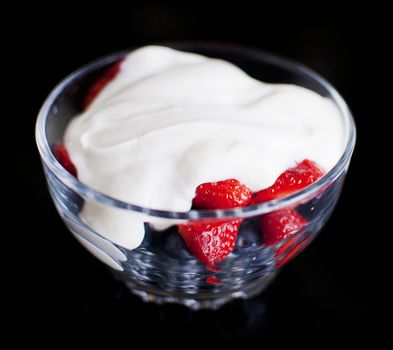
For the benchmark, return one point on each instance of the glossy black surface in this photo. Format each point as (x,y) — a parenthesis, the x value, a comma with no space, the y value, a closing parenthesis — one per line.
(333,291)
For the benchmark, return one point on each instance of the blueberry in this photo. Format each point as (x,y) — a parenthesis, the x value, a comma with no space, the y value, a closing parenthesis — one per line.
(248,238)
(159,238)
(176,248)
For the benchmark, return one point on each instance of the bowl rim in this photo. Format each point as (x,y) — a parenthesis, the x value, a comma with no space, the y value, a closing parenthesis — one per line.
(84,190)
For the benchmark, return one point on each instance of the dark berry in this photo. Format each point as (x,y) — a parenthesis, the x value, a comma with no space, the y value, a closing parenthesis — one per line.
(176,248)
(248,238)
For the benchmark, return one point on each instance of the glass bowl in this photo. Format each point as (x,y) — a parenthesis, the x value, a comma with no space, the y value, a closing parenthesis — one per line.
(161,269)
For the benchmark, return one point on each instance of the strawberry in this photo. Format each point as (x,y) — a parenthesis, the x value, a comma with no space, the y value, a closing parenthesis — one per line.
(221,195)
(94,90)
(291,180)
(64,159)
(281,224)
(210,242)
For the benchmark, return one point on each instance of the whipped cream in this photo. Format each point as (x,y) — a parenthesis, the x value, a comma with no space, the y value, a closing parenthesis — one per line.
(171,120)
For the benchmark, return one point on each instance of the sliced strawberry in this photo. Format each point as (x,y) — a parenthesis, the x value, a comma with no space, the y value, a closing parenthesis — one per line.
(210,242)
(290,181)
(94,90)
(64,159)
(281,224)
(221,195)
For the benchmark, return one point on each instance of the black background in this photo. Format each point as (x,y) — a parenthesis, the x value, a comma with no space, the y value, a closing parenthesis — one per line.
(334,291)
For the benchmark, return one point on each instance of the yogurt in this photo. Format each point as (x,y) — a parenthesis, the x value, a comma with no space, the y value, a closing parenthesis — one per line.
(170,121)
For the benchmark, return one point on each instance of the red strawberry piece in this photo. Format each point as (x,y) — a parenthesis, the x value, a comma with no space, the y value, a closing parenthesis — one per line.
(64,159)
(108,76)
(210,242)
(281,224)
(291,180)
(222,195)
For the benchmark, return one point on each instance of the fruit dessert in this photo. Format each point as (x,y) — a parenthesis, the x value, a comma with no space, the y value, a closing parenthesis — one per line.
(175,131)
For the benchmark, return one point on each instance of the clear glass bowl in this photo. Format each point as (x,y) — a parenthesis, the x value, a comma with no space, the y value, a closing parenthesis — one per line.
(161,269)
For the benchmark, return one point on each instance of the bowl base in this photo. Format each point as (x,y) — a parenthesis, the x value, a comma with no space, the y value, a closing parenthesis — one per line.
(198,301)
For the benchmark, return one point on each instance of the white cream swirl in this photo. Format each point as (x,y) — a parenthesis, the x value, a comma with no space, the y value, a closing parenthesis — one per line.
(170,121)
